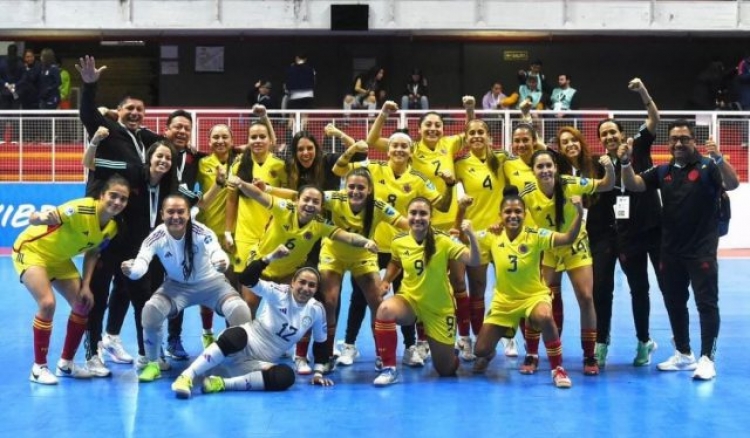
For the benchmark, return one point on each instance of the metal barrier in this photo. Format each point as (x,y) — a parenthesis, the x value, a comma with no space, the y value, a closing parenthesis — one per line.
(46,146)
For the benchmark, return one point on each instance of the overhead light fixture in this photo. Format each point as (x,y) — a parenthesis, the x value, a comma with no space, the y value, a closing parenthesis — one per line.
(123,43)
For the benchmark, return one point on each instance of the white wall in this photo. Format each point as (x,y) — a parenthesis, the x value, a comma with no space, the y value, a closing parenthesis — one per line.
(122,17)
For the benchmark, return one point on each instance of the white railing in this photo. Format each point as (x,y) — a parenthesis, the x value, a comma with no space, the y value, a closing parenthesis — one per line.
(47,145)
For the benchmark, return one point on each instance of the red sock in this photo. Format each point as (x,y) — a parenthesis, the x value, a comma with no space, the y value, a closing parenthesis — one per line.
(477,313)
(588,342)
(554,353)
(557,308)
(330,340)
(207,318)
(463,313)
(386,339)
(42,333)
(531,337)
(76,328)
(303,345)
(420,332)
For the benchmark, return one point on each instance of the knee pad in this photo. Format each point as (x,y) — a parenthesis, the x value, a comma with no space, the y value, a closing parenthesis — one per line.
(235,310)
(278,378)
(232,340)
(155,311)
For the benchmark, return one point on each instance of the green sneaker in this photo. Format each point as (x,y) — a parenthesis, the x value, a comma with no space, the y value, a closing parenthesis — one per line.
(643,353)
(212,384)
(207,339)
(600,352)
(182,386)
(150,372)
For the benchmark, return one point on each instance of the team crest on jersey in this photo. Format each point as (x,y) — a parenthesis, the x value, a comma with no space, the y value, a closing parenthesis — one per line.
(443,151)
(306,321)
(584,181)
(407,188)
(523,249)
(543,232)
(282,203)
(208,239)
(308,235)
(69,211)
(273,173)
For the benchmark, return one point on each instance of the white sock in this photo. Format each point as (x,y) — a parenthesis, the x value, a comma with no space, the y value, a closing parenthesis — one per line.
(252,381)
(211,357)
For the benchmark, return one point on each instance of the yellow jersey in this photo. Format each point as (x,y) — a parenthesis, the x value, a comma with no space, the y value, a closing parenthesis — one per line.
(427,283)
(542,209)
(483,185)
(213,215)
(79,232)
(517,173)
(517,273)
(396,192)
(284,228)
(251,216)
(430,162)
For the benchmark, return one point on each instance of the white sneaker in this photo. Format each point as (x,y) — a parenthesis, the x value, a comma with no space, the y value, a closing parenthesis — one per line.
(679,362)
(66,368)
(113,346)
(302,366)
(510,349)
(412,358)
(388,376)
(465,348)
(706,370)
(424,350)
(96,367)
(349,352)
(42,374)
(142,361)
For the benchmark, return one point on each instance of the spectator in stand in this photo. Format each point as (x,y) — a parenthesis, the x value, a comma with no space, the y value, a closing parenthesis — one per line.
(535,69)
(564,97)
(711,85)
(494,98)
(368,90)
(531,91)
(64,85)
(49,81)
(415,95)
(11,71)
(28,87)
(743,83)
(261,95)
(300,83)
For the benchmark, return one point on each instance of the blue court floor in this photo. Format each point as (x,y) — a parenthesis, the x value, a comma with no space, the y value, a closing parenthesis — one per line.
(622,401)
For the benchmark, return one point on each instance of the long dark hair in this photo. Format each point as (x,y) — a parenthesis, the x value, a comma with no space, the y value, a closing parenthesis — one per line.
(189,250)
(168,181)
(369,210)
(558,194)
(492,161)
(585,161)
(245,170)
(299,175)
(429,240)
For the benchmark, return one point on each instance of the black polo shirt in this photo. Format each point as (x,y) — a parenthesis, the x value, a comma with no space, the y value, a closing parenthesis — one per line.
(689,216)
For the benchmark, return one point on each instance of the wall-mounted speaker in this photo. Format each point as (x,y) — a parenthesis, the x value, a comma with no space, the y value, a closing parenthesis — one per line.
(350,17)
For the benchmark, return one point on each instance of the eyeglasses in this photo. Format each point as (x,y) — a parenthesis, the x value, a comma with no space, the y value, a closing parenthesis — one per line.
(684,139)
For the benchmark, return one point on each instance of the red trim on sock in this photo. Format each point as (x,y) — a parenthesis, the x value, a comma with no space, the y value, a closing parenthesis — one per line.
(386,339)
(554,353)
(42,329)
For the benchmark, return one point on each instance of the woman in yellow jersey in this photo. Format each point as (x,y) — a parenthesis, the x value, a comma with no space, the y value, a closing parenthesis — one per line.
(42,256)
(212,177)
(481,175)
(246,219)
(546,203)
(357,210)
(396,183)
(519,290)
(517,168)
(424,255)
